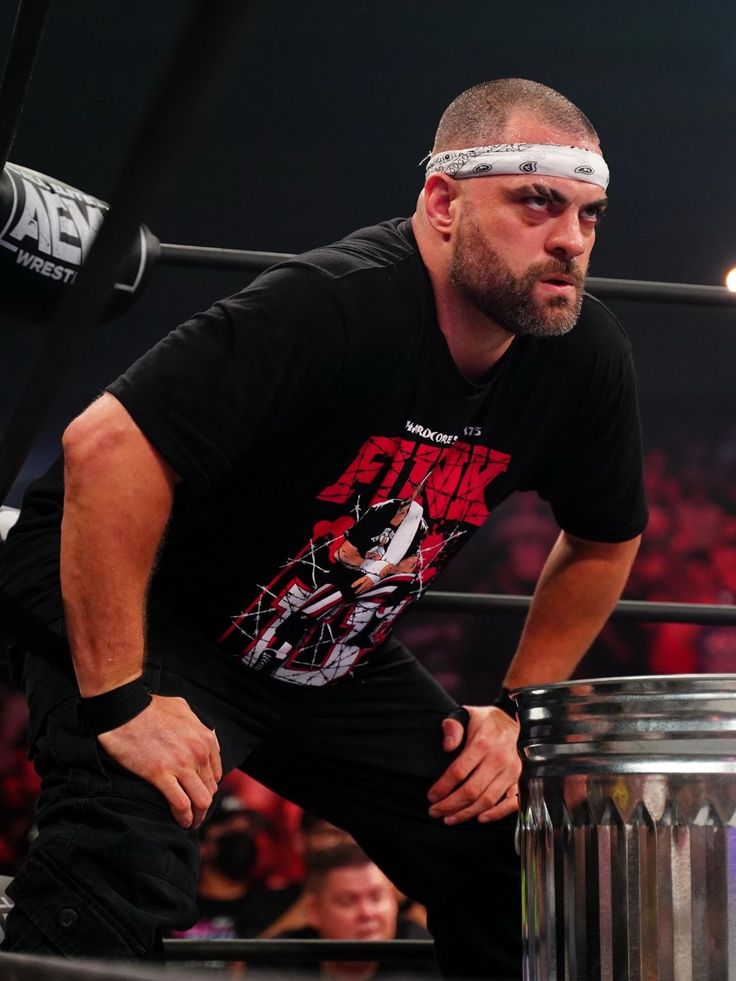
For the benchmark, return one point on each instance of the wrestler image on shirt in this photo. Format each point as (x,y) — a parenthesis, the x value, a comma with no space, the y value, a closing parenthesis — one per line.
(372,573)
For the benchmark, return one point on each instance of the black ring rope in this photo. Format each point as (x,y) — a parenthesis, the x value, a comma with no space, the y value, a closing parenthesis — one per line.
(181,94)
(272,951)
(649,292)
(24,45)
(36,967)
(207,257)
(711,614)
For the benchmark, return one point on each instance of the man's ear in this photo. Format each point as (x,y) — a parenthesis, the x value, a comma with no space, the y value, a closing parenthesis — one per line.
(440,202)
(314,920)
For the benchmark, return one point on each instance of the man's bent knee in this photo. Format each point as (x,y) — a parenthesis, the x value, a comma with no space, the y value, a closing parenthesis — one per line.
(68,903)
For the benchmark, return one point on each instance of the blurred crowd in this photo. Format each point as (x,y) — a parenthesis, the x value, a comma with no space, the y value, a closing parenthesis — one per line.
(270,870)
(19,783)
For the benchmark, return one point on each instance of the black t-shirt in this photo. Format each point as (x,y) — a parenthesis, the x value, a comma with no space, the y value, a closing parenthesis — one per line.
(322,390)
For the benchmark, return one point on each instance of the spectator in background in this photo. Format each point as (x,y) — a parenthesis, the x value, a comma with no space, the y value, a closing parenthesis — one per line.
(660,483)
(716,648)
(315,836)
(724,561)
(349,898)
(698,517)
(19,783)
(230,904)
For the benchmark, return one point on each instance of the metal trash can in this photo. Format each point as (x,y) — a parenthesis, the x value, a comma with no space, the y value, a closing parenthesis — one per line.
(628,829)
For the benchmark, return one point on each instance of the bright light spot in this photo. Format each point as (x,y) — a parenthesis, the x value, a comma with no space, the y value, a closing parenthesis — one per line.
(731,280)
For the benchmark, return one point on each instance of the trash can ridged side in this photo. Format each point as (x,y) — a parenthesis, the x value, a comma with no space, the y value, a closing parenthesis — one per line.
(628,829)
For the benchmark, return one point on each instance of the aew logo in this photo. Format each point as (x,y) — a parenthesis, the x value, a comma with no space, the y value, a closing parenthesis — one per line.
(51,226)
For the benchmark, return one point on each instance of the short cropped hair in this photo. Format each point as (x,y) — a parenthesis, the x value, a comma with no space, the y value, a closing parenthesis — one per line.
(477,117)
(347,855)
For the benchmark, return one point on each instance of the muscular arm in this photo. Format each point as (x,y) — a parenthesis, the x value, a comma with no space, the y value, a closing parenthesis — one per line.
(118,494)
(117,501)
(577,589)
(579,585)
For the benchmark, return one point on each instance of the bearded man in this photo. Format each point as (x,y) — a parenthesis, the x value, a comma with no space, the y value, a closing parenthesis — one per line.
(451,358)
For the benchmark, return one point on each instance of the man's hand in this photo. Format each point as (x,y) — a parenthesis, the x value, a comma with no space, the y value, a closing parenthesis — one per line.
(169,747)
(363,584)
(482,782)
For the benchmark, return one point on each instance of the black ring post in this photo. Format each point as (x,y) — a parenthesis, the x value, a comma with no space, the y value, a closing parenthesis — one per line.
(27,32)
(212,26)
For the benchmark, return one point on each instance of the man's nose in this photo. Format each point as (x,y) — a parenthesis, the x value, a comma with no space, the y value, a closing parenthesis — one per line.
(566,239)
(366,909)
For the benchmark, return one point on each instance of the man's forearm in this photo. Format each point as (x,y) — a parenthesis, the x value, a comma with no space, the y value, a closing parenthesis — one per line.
(118,497)
(117,501)
(580,584)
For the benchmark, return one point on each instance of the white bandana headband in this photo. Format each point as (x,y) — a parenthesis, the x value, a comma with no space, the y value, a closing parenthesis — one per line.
(521,158)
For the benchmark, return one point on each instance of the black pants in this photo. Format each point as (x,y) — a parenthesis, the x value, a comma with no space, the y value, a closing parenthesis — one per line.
(110,869)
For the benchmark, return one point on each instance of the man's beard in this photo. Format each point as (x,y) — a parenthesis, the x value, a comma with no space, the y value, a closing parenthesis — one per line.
(479,273)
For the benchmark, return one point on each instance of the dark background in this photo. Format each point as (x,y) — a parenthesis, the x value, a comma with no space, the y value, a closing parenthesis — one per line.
(317,122)
(321,113)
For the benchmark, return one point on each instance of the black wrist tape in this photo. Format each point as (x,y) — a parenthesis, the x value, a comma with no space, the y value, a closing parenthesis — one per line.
(505,702)
(116,707)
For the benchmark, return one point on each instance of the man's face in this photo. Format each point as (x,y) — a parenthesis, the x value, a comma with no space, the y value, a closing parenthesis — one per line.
(229,847)
(521,245)
(355,904)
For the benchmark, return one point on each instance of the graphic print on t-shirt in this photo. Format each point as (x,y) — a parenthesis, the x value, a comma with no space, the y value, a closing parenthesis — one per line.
(393,519)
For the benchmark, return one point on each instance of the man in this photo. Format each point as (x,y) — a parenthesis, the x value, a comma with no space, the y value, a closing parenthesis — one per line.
(349,898)
(315,836)
(233,458)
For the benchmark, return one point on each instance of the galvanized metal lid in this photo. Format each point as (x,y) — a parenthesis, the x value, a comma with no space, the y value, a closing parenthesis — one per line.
(642,724)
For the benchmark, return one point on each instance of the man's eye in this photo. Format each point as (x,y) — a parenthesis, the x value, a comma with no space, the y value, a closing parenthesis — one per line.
(594,213)
(537,202)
